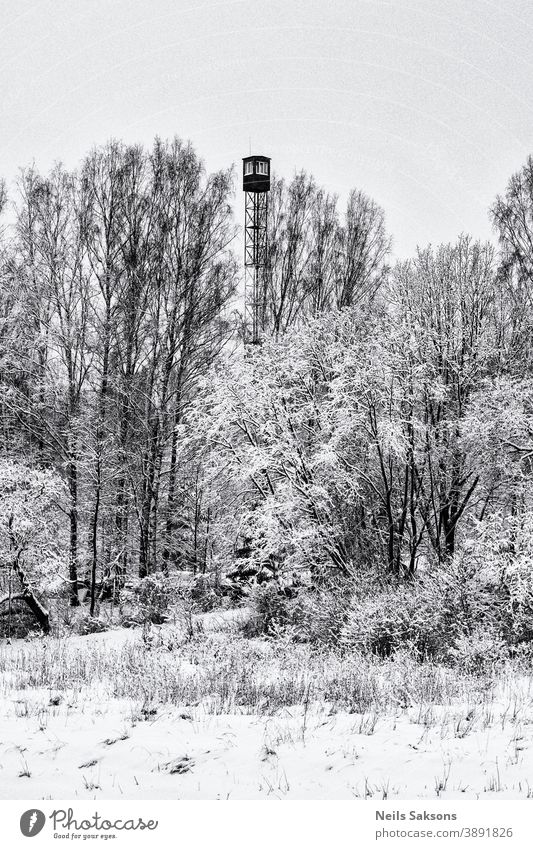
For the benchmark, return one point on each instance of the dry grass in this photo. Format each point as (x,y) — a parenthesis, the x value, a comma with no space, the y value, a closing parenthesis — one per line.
(232,674)
(112,714)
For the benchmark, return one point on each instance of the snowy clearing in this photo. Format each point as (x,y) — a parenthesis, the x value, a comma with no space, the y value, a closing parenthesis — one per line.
(186,734)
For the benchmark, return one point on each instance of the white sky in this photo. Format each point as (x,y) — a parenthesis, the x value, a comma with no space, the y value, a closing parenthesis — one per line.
(427,105)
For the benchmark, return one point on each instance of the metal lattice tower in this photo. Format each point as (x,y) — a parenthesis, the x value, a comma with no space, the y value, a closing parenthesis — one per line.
(256,185)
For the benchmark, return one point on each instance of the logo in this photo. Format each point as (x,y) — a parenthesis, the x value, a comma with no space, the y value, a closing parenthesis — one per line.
(62,819)
(32,822)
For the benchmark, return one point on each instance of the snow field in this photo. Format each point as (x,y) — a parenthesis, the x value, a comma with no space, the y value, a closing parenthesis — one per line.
(113,716)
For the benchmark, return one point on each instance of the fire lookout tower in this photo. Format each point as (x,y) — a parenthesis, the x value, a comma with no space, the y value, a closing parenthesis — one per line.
(256,185)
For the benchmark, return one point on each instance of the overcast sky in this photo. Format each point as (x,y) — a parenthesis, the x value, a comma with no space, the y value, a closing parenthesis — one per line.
(427,105)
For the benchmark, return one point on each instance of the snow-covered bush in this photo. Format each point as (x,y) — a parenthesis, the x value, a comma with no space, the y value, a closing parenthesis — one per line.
(270,610)
(147,600)
(206,592)
(319,615)
(504,545)
(90,625)
(308,614)
(514,557)
(518,579)
(479,652)
(154,597)
(32,522)
(429,613)
(470,590)
(33,542)
(394,617)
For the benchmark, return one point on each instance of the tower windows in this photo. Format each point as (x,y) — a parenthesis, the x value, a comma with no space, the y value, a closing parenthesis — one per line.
(256,174)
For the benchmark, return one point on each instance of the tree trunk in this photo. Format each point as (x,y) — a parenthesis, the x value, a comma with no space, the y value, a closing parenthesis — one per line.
(73,517)
(94,540)
(39,611)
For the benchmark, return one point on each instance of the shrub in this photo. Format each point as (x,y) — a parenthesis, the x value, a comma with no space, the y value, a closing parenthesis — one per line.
(185,609)
(270,610)
(319,615)
(206,592)
(147,601)
(504,545)
(429,614)
(22,624)
(310,614)
(473,592)
(518,582)
(396,616)
(479,652)
(154,596)
(90,625)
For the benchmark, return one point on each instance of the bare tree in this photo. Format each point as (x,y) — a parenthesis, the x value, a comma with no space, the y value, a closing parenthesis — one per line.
(363,250)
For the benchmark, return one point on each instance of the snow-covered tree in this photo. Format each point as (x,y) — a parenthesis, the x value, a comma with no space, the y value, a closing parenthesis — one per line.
(33,542)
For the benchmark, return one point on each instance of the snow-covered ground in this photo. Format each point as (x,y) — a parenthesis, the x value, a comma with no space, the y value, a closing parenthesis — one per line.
(84,741)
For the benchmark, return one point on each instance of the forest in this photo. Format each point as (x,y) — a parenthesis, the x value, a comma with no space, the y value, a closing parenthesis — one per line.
(361,478)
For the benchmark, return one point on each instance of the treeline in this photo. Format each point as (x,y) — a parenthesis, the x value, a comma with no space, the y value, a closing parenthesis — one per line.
(390,435)
(115,280)
(385,423)
(119,294)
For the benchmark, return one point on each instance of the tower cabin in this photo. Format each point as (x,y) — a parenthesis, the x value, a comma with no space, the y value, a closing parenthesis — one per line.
(256,174)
